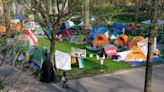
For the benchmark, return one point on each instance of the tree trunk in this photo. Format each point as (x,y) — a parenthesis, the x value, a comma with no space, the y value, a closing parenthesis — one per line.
(152,34)
(52,49)
(86,15)
(137,11)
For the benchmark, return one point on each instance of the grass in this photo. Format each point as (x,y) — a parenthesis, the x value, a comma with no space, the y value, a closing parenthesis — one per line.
(92,67)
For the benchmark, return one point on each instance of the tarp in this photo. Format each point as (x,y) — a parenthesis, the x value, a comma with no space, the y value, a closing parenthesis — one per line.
(110,46)
(101,40)
(121,40)
(95,31)
(159,22)
(116,31)
(119,25)
(62,60)
(155,59)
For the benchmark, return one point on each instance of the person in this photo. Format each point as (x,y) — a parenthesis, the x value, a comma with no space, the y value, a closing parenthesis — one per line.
(47,72)
(101,56)
(64,80)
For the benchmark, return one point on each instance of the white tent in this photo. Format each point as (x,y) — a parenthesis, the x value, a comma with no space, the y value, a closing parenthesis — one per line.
(30,26)
(69,24)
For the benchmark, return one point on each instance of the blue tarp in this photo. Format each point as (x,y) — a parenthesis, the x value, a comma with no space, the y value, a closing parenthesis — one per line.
(155,59)
(116,31)
(97,30)
(119,25)
(19,16)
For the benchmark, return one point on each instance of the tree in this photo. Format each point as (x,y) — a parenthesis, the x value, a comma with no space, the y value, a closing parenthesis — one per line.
(86,15)
(154,11)
(61,11)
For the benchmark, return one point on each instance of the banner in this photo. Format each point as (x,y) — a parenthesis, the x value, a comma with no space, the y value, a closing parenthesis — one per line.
(110,51)
(78,52)
(62,60)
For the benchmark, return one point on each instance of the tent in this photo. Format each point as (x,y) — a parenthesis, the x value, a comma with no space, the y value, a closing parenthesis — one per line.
(28,36)
(134,41)
(16,27)
(19,16)
(69,24)
(135,54)
(65,32)
(101,40)
(77,39)
(132,26)
(2,29)
(119,25)
(39,31)
(30,25)
(159,22)
(38,55)
(121,40)
(95,31)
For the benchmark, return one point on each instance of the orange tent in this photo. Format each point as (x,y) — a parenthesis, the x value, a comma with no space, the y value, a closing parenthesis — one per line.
(134,41)
(132,26)
(15,27)
(2,29)
(122,39)
(135,54)
(101,40)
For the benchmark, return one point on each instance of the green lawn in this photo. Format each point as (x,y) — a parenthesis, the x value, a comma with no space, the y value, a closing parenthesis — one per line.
(93,66)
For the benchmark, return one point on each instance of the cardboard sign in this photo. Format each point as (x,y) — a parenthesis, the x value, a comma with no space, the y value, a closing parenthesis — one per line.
(78,52)
(110,51)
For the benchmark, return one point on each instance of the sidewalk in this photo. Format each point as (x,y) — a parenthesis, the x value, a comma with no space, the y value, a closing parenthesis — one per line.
(123,81)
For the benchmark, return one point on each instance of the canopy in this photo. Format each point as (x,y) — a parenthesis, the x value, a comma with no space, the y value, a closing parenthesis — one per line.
(101,40)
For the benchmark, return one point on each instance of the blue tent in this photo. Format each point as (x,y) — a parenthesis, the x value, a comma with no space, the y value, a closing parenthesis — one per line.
(19,16)
(119,25)
(97,30)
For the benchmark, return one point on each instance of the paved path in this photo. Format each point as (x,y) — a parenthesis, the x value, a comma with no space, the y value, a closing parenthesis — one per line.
(123,81)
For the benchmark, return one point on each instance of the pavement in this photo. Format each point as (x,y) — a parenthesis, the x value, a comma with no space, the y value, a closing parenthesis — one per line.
(122,81)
